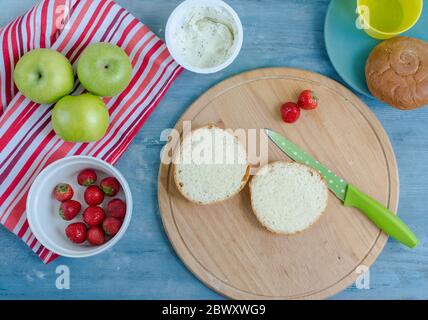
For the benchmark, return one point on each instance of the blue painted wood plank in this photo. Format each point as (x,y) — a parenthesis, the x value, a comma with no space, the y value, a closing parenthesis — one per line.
(143,265)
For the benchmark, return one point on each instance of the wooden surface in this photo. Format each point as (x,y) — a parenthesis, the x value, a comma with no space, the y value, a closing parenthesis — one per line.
(226,247)
(143,265)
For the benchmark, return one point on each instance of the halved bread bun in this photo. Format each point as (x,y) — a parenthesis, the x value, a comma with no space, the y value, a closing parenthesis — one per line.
(288,197)
(210,166)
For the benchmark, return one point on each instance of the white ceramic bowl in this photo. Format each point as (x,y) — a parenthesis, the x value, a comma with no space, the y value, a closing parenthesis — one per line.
(176,20)
(42,208)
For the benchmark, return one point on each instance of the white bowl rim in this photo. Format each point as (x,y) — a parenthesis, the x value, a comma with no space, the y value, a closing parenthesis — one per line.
(178,58)
(39,235)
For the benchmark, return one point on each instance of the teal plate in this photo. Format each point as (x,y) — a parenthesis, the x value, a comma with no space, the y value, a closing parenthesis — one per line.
(349,47)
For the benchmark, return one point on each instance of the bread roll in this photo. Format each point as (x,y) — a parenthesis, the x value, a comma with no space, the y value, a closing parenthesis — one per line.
(288,197)
(397,72)
(211,166)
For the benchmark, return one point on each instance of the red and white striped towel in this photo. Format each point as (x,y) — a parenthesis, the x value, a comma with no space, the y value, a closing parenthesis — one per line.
(27,141)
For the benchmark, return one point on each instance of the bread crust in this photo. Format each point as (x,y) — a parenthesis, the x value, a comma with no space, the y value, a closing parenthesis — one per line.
(397,72)
(257,214)
(180,189)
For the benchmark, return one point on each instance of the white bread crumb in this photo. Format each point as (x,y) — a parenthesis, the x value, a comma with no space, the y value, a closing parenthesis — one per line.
(211,166)
(288,197)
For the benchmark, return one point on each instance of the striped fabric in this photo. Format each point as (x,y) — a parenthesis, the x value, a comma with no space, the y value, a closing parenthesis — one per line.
(27,141)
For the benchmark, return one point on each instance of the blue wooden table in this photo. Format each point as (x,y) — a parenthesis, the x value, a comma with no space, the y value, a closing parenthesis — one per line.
(143,265)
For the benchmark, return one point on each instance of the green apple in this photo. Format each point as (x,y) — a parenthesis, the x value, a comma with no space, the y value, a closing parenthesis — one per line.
(44,76)
(104,69)
(83,118)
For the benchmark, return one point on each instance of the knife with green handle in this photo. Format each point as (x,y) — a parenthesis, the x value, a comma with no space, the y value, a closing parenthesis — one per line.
(381,216)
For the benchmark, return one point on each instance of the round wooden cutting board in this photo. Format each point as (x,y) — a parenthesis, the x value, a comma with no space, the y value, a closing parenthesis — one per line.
(226,247)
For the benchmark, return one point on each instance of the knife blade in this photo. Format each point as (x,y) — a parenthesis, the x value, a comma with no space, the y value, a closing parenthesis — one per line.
(381,216)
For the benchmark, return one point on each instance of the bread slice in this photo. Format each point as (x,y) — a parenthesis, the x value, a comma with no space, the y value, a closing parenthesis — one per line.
(288,197)
(211,166)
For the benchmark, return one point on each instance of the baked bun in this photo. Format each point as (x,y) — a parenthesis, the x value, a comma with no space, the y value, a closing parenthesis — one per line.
(288,197)
(211,166)
(397,72)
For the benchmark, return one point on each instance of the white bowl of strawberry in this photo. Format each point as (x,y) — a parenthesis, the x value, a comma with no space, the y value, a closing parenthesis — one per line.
(79,206)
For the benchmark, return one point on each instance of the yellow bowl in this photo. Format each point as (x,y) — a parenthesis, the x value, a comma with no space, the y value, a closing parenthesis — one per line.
(384,19)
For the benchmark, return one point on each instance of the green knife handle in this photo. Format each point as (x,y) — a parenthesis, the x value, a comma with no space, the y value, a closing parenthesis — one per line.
(382,217)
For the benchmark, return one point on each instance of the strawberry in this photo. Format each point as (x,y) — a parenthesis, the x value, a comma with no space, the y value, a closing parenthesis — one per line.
(87,177)
(63,192)
(111,226)
(76,232)
(94,195)
(96,236)
(110,186)
(290,112)
(116,208)
(308,100)
(93,216)
(69,209)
